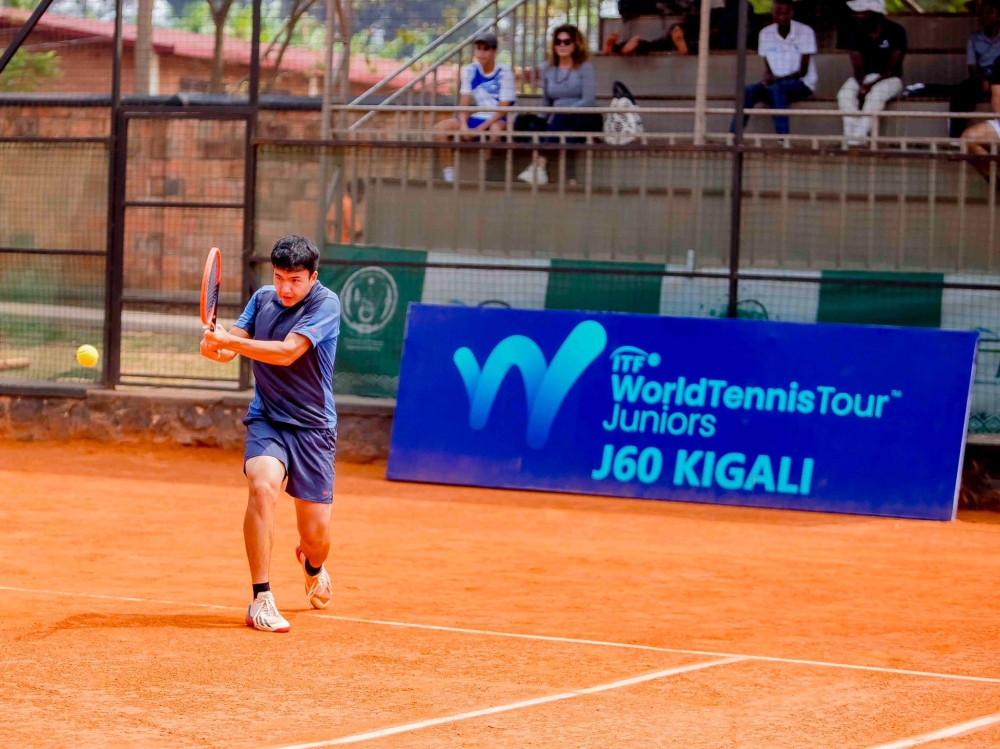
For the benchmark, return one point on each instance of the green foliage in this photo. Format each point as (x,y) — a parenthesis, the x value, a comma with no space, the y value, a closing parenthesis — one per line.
(195,17)
(27,71)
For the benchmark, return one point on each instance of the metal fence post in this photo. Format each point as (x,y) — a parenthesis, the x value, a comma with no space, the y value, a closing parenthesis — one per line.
(250,180)
(114,257)
(737,184)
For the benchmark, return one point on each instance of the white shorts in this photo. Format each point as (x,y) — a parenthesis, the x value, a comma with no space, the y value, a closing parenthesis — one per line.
(996,126)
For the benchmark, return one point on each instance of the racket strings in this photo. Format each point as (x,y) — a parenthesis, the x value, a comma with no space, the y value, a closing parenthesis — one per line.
(212,291)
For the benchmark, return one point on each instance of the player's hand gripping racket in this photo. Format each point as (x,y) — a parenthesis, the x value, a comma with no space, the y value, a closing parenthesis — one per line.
(210,288)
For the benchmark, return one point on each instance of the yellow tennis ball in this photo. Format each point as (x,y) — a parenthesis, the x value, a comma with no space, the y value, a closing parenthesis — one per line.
(87,355)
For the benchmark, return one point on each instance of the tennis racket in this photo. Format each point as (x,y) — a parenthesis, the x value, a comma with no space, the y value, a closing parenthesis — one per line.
(210,288)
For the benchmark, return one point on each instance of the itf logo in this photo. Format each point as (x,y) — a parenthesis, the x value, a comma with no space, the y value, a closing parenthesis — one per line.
(545,386)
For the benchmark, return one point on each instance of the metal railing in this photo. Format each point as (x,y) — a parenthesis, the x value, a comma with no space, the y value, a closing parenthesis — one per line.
(416,120)
(809,202)
(522,28)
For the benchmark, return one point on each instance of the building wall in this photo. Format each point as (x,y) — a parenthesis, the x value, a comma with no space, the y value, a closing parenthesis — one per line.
(86,68)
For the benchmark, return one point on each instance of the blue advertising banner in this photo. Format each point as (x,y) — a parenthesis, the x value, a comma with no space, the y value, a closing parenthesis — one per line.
(834,418)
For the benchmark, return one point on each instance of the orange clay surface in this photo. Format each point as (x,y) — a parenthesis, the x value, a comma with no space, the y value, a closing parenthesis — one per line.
(131,544)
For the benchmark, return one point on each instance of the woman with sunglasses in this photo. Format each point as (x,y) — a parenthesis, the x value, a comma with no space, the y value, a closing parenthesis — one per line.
(568,81)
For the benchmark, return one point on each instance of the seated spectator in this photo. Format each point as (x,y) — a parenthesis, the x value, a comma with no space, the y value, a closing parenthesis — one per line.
(830,20)
(982,51)
(724,25)
(568,81)
(984,134)
(673,40)
(677,38)
(787,47)
(877,48)
(488,85)
(352,214)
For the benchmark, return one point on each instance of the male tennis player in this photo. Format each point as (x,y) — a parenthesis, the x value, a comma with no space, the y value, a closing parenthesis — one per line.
(290,332)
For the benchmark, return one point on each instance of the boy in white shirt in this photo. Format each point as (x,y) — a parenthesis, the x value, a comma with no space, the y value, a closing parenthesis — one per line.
(487,85)
(787,47)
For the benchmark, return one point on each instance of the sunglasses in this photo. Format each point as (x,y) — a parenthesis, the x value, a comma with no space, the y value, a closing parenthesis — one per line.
(563,41)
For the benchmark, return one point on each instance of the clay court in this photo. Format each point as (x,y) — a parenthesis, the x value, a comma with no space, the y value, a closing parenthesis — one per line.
(479,618)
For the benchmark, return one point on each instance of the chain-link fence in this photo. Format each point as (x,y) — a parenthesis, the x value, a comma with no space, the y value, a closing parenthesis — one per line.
(873,236)
(53,214)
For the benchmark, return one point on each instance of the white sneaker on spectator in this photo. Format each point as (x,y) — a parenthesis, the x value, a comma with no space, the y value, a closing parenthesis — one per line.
(449,174)
(534,173)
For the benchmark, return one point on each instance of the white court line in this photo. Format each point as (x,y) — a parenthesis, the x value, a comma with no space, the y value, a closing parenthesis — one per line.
(542,638)
(654,648)
(513,705)
(944,733)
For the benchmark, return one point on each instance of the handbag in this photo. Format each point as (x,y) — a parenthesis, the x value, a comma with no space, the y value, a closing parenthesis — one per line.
(622,127)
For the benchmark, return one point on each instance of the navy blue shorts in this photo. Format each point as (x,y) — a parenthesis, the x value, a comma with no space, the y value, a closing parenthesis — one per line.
(307,454)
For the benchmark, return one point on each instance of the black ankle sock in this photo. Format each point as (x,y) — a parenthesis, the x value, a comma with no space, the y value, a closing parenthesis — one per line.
(312,571)
(260,588)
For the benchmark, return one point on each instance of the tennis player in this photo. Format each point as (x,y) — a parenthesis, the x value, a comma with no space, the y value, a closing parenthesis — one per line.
(290,332)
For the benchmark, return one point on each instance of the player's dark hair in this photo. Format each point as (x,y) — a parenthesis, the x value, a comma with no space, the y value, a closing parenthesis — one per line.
(789,3)
(293,253)
(995,4)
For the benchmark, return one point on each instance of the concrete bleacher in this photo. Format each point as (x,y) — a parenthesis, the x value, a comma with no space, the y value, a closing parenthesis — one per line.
(937,55)
(802,125)
(669,81)
(947,32)
(674,75)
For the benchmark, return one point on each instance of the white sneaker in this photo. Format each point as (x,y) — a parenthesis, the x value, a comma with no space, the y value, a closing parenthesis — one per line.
(534,173)
(263,614)
(449,174)
(319,589)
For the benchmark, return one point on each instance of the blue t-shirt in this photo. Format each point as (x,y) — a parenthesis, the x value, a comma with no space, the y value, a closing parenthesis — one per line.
(301,394)
(983,51)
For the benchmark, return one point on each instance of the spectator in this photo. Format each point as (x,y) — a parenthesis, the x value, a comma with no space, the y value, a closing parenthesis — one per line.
(677,38)
(787,47)
(352,214)
(984,134)
(724,25)
(568,81)
(830,20)
(877,48)
(490,86)
(982,51)
(672,41)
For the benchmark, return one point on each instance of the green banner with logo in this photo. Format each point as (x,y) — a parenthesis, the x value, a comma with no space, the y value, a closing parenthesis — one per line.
(606,289)
(374,294)
(874,304)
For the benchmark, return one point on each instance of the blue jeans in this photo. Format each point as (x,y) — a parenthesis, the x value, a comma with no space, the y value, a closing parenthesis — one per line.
(776,95)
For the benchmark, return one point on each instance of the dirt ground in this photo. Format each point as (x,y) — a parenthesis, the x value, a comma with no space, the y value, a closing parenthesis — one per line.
(475,618)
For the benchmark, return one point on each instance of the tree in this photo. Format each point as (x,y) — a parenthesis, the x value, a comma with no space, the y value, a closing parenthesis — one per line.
(298,10)
(144,47)
(27,71)
(219,10)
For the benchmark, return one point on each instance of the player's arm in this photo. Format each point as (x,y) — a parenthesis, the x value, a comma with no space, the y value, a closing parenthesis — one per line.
(279,353)
(220,355)
(496,116)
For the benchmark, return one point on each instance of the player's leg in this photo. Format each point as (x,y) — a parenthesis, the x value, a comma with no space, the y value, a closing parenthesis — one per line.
(881,94)
(848,101)
(980,137)
(265,459)
(445,131)
(313,519)
(265,475)
(310,482)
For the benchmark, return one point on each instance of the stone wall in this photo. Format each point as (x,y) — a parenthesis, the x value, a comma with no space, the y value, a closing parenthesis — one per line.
(163,416)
